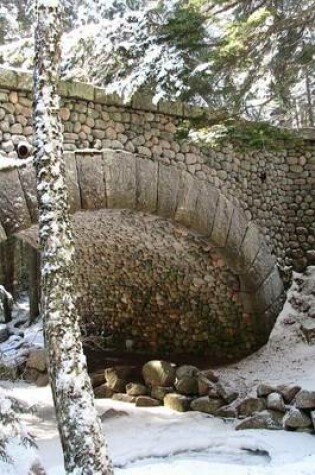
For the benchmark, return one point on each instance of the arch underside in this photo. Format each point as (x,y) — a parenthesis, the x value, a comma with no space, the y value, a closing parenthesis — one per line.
(121,180)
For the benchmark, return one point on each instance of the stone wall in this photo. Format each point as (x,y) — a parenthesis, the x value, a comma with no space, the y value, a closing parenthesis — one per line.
(214,271)
(165,288)
(275,188)
(153,282)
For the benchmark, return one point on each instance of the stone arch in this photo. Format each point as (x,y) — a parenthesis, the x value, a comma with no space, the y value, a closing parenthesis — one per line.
(122,180)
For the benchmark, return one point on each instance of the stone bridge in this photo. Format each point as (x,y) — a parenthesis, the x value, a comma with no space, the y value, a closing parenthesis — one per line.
(121,180)
(177,241)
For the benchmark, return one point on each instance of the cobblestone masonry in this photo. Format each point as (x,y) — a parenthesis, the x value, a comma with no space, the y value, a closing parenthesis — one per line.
(283,204)
(220,193)
(158,285)
(123,180)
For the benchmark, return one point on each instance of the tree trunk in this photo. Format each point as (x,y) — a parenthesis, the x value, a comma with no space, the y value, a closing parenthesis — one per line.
(83,443)
(310,113)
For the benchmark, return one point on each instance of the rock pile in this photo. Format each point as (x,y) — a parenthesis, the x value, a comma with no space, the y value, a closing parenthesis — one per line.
(186,388)
(302,300)
(284,406)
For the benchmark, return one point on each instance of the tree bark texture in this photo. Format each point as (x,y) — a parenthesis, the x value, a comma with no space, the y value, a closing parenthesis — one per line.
(84,447)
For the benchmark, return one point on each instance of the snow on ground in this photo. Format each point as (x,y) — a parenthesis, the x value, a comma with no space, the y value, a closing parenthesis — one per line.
(286,357)
(155,441)
(16,349)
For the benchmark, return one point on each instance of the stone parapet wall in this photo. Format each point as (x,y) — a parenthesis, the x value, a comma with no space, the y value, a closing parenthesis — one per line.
(274,188)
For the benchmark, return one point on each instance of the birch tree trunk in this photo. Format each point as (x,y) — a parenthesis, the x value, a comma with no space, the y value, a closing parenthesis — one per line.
(84,448)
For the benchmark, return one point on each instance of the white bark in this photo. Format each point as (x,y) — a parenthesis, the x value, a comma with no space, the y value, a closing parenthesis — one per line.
(84,447)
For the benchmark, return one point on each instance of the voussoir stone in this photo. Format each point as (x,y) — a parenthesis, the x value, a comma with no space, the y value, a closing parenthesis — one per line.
(305,399)
(159,373)
(177,402)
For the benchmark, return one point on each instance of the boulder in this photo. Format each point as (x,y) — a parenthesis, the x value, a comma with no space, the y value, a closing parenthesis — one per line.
(187,385)
(146,401)
(211,375)
(186,370)
(204,385)
(115,378)
(246,407)
(97,379)
(177,402)
(127,373)
(227,412)
(117,385)
(136,389)
(227,391)
(275,401)
(214,391)
(205,404)
(123,397)
(305,399)
(159,392)
(42,380)
(296,419)
(112,414)
(103,391)
(37,360)
(31,375)
(264,389)
(288,391)
(262,420)
(159,373)
(307,326)
(207,387)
